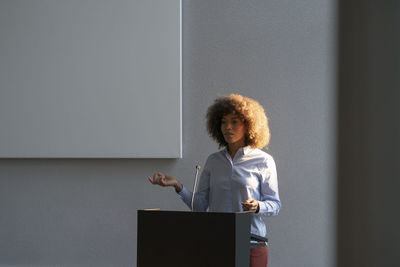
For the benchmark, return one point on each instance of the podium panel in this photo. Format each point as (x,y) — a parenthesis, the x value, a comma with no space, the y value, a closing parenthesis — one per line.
(193,239)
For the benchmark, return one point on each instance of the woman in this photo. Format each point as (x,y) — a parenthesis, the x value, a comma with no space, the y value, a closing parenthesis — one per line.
(241,177)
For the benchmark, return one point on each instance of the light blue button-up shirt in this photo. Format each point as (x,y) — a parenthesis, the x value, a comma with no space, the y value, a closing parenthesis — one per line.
(225,183)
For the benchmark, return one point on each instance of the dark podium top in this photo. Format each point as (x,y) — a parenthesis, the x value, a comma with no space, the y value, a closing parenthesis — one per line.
(193,239)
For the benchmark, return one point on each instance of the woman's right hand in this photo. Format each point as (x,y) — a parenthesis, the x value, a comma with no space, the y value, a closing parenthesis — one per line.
(165,180)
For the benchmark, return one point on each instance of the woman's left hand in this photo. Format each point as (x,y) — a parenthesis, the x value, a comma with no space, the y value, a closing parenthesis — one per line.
(250,205)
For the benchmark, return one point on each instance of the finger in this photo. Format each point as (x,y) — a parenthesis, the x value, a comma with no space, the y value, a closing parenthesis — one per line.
(253,203)
(256,205)
(162,181)
(159,177)
(150,179)
(156,179)
(249,201)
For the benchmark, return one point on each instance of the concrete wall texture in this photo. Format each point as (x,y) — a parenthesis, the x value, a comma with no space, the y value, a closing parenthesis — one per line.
(82,212)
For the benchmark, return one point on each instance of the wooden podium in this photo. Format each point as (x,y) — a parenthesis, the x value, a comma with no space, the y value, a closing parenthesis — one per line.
(192,239)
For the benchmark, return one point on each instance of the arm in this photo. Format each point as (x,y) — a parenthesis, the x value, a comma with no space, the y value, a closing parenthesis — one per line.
(269,204)
(201,198)
(202,192)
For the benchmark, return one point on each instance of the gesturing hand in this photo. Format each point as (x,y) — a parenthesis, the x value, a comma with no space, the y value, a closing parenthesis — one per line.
(165,180)
(250,205)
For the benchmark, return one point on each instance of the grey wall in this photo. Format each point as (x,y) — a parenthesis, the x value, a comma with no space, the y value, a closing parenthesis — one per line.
(83,212)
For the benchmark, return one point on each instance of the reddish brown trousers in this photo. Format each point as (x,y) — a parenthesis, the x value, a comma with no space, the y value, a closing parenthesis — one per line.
(259,257)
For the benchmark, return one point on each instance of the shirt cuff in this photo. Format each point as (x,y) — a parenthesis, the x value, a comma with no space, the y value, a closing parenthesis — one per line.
(185,193)
(262,207)
(268,208)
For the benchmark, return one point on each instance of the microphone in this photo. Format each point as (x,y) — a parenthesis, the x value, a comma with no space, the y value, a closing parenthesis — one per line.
(195,184)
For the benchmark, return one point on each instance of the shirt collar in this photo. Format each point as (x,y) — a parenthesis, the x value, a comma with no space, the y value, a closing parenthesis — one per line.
(246,150)
(243,150)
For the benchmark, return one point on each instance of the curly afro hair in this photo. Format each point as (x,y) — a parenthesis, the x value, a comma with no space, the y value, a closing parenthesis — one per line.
(249,110)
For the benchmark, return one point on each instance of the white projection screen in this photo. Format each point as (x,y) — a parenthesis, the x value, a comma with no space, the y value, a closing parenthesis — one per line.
(90,79)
